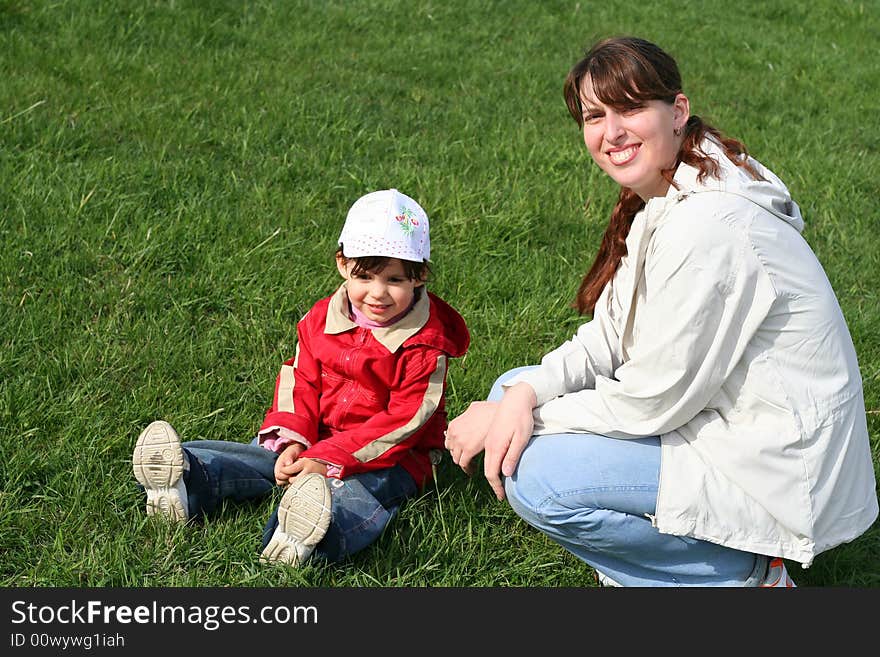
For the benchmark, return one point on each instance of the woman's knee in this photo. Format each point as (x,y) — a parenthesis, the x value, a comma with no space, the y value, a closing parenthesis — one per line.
(532,497)
(518,503)
(528,494)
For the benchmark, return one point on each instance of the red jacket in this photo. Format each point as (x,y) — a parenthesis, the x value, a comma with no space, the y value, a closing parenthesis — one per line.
(367,399)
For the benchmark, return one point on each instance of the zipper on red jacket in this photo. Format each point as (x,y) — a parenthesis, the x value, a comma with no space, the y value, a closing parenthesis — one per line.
(347,397)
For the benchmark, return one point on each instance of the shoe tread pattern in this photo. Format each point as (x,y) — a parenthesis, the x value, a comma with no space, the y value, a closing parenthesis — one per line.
(303,518)
(158,466)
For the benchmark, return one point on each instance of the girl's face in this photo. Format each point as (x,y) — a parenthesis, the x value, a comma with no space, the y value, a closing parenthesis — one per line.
(380,296)
(634,145)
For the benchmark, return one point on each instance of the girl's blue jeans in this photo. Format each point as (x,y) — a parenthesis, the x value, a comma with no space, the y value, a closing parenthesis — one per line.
(592,494)
(362,504)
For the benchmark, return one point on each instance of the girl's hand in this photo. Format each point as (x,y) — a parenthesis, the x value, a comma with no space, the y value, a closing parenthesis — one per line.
(285,462)
(306,465)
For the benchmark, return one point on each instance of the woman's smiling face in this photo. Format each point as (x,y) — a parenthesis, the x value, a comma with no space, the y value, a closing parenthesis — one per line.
(633,145)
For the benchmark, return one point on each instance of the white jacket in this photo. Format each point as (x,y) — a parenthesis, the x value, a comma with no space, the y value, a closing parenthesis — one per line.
(721,334)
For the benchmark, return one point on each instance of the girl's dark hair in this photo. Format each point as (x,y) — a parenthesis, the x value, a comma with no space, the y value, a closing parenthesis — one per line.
(625,72)
(414,271)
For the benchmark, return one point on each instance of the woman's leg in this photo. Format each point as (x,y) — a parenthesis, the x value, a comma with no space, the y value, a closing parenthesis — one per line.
(362,506)
(593,494)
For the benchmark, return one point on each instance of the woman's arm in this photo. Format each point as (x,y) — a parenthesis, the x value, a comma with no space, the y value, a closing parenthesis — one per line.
(704,295)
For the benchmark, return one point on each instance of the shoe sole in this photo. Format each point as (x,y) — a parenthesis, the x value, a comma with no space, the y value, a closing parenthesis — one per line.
(303,517)
(158,466)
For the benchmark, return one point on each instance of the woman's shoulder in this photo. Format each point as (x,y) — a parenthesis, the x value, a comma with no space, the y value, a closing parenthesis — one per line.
(711,200)
(706,232)
(707,214)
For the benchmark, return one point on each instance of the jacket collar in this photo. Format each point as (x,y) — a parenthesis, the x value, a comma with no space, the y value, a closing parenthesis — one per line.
(391,337)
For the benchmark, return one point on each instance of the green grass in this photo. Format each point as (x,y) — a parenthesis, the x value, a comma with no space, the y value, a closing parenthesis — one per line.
(175,175)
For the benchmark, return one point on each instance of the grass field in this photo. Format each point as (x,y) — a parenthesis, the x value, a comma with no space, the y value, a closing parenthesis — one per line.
(175,175)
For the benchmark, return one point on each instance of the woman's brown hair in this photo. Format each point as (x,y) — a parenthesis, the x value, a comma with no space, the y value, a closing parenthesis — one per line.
(625,72)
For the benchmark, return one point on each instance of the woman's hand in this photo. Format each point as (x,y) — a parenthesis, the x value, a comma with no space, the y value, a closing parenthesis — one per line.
(508,434)
(284,464)
(466,434)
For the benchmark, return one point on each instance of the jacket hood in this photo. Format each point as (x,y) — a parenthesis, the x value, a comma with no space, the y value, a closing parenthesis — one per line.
(445,329)
(769,193)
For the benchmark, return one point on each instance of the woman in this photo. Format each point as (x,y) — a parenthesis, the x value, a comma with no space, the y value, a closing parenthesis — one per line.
(709,421)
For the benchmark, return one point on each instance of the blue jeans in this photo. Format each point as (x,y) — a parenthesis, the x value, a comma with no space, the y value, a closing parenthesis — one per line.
(362,504)
(592,494)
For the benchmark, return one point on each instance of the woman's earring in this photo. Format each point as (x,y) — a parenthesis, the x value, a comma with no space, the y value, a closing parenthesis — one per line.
(677,132)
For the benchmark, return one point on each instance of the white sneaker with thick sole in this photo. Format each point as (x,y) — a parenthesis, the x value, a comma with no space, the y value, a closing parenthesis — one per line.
(303,519)
(158,462)
(777,576)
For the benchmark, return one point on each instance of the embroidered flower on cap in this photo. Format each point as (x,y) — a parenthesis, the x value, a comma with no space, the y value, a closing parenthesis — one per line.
(407,220)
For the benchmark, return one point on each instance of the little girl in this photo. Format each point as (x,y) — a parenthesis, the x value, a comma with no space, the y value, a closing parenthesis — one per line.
(359,411)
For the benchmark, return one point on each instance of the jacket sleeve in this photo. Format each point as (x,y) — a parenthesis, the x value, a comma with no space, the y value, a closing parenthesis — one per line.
(703,297)
(295,404)
(381,441)
(593,352)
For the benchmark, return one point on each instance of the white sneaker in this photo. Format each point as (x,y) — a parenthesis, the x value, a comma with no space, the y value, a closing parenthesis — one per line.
(777,576)
(303,518)
(604,580)
(158,462)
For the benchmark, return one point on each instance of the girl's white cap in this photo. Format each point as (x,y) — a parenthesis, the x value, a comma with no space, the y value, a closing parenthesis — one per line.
(386,223)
